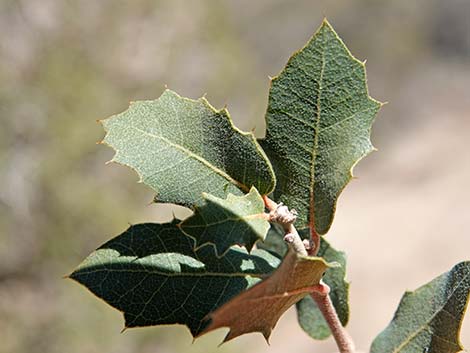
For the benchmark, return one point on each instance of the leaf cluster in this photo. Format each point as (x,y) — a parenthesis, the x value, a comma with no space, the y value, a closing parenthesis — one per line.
(226,265)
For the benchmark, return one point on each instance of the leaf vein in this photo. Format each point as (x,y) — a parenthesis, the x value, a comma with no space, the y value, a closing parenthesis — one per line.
(196,157)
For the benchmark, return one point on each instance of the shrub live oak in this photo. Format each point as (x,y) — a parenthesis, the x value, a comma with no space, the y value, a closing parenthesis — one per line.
(254,245)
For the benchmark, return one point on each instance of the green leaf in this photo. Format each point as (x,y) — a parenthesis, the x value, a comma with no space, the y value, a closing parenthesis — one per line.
(238,220)
(310,318)
(182,148)
(259,308)
(429,319)
(318,120)
(152,274)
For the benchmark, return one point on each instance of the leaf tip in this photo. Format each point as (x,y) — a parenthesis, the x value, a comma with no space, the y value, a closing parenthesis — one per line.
(326,26)
(267,334)
(68,276)
(206,102)
(383,103)
(227,338)
(326,23)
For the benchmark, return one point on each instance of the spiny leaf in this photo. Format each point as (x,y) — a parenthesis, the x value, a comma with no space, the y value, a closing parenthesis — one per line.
(238,220)
(310,318)
(318,120)
(309,315)
(429,319)
(259,308)
(182,148)
(153,275)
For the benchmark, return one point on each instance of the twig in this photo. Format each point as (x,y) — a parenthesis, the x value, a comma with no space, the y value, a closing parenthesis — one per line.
(341,336)
(280,214)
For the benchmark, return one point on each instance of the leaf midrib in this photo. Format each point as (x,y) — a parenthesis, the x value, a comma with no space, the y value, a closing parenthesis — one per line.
(315,140)
(240,219)
(191,154)
(177,274)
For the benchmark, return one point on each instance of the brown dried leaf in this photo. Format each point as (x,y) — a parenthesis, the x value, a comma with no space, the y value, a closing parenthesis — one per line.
(259,308)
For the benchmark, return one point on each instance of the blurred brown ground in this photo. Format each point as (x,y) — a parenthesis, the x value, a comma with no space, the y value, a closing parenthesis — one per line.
(64,64)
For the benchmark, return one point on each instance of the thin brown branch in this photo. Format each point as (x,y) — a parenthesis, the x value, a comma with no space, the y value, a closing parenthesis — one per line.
(280,214)
(341,336)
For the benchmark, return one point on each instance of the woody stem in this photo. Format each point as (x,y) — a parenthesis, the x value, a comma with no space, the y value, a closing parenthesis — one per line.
(280,214)
(341,336)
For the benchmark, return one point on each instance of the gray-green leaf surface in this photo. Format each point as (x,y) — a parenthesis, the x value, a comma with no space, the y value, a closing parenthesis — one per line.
(153,275)
(318,120)
(237,220)
(429,319)
(182,148)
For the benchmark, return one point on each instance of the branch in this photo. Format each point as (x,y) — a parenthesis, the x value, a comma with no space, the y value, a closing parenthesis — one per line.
(280,214)
(342,338)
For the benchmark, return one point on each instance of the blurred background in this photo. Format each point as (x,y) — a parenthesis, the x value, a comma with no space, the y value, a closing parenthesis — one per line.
(65,64)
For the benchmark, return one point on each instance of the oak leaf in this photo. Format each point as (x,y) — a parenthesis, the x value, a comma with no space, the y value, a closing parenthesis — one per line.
(429,319)
(259,308)
(318,121)
(153,275)
(182,147)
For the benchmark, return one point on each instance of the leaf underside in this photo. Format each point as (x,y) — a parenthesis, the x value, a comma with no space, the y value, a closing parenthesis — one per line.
(259,308)
(152,274)
(237,220)
(318,121)
(429,319)
(182,148)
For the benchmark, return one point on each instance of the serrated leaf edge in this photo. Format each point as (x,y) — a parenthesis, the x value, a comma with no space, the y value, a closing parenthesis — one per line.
(125,327)
(223,111)
(305,290)
(325,23)
(198,246)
